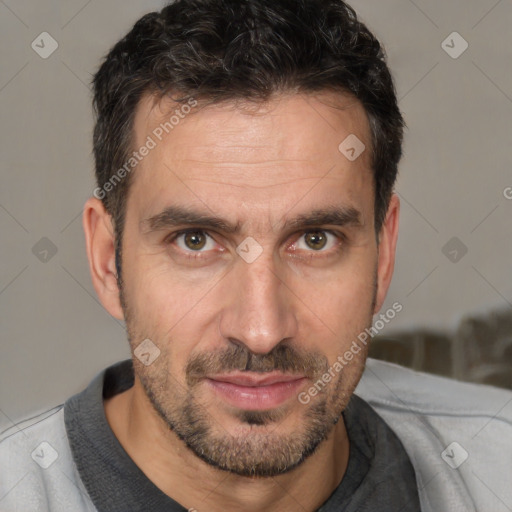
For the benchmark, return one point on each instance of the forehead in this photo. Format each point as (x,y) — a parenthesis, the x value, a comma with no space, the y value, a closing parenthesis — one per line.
(255,125)
(254,149)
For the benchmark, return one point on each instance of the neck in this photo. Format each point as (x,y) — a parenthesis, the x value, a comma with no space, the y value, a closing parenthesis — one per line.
(193,483)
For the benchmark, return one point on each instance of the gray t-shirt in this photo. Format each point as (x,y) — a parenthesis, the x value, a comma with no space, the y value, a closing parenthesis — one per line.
(379,475)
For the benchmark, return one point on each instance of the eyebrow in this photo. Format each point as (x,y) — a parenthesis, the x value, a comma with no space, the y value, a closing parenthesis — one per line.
(174,216)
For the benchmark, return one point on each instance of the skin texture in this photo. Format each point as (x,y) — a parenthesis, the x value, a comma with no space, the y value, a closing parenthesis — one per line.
(295,308)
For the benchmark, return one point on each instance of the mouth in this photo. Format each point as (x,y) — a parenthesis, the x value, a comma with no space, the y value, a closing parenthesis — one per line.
(253,391)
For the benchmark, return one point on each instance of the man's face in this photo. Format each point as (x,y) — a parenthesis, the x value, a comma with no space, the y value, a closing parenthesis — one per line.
(270,298)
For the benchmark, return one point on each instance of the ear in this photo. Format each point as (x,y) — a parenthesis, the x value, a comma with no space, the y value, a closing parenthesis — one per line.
(99,239)
(387,247)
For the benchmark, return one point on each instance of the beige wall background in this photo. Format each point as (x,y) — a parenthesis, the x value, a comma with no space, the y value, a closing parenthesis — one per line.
(455,184)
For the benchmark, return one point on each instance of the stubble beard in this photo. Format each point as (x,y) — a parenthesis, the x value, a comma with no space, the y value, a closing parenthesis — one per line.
(257,449)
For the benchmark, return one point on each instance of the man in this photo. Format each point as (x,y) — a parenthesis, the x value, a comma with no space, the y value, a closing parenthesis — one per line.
(244,227)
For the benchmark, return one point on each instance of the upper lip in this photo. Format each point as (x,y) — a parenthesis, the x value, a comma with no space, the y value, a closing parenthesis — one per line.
(255,379)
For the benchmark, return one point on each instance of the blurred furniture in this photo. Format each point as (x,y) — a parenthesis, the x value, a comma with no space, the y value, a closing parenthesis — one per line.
(480,349)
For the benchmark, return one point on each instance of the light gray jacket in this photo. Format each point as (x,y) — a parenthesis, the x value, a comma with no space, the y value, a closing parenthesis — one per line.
(458,436)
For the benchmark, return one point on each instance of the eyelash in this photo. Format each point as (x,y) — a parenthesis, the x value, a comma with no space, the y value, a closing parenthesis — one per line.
(195,255)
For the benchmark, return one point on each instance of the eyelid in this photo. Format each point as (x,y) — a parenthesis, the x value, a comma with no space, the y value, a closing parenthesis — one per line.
(341,237)
(172,237)
(337,234)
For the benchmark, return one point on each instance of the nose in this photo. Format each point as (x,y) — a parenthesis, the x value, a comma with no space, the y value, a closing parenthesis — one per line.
(258,305)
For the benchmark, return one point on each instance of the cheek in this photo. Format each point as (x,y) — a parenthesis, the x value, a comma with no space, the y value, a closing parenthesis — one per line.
(333,304)
(155,290)
(338,308)
(173,312)
(344,294)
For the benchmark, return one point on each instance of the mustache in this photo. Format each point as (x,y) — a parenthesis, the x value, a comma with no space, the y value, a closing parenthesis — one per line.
(283,358)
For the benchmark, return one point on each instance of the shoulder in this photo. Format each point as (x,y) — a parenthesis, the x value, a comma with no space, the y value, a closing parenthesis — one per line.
(458,435)
(36,467)
(391,386)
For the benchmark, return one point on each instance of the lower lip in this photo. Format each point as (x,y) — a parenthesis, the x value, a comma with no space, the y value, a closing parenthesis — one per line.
(258,397)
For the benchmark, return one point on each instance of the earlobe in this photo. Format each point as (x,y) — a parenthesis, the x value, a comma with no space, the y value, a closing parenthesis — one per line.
(99,239)
(388,237)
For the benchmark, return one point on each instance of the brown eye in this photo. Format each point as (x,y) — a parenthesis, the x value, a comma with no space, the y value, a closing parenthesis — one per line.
(195,240)
(315,239)
(320,243)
